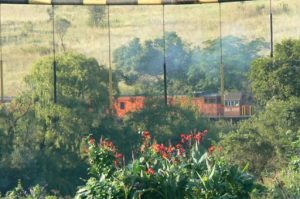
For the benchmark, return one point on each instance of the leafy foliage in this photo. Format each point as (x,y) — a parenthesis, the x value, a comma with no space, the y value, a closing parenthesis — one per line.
(166,122)
(35,192)
(189,69)
(43,139)
(279,79)
(180,171)
(265,141)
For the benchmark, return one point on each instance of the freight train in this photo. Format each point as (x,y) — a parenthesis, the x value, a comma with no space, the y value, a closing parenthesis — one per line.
(236,104)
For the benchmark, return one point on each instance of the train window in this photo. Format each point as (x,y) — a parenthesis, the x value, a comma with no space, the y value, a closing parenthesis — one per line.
(226,103)
(232,103)
(122,105)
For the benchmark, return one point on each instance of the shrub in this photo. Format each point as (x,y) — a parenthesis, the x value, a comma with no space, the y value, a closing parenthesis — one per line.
(36,192)
(175,171)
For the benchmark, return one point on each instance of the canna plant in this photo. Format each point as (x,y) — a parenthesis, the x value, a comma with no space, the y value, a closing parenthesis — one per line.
(168,172)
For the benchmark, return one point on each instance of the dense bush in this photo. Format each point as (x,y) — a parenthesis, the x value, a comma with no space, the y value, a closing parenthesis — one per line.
(266,140)
(174,171)
(166,122)
(40,140)
(36,192)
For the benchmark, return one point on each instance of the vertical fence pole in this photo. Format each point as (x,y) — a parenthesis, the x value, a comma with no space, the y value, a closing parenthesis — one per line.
(271,31)
(110,65)
(222,79)
(1,61)
(165,64)
(54,57)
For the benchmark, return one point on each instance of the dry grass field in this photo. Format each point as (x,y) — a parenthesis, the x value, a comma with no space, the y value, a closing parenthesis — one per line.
(26,30)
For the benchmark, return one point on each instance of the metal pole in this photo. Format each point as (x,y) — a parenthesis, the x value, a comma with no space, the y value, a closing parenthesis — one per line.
(165,65)
(271,30)
(1,62)
(54,56)
(109,59)
(221,57)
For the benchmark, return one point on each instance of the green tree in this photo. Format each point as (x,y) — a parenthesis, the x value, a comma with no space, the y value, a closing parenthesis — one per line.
(265,141)
(142,63)
(45,138)
(188,69)
(238,53)
(279,79)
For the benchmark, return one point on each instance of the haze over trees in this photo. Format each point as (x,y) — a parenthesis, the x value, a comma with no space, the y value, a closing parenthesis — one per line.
(188,69)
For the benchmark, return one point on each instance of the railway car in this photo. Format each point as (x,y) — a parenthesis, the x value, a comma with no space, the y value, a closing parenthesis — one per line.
(6,99)
(127,104)
(236,105)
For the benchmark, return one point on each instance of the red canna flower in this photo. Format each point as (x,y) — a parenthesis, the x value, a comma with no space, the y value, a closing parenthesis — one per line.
(211,149)
(119,155)
(166,155)
(147,135)
(178,146)
(181,151)
(170,149)
(150,171)
(92,141)
(182,135)
(188,137)
(162,148)
(108,145)
(198,137)
(156,148)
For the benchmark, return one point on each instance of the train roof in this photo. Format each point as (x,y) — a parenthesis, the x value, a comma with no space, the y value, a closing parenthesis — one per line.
(205,94)
(233,96)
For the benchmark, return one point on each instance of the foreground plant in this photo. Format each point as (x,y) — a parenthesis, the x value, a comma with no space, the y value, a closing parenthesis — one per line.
(36,192)
(175,171)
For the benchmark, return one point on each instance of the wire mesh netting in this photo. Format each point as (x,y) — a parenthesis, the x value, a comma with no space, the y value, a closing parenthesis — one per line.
(192,42)
(77,70)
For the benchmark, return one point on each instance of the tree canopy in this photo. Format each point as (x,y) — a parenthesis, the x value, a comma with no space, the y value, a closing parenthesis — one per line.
(278,78)
(188,68)
(44,138)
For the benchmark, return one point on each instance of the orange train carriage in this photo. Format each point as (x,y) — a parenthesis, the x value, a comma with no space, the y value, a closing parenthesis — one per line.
(236,105)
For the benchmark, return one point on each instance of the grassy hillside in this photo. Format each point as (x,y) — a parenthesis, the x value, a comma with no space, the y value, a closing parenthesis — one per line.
(26,30)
